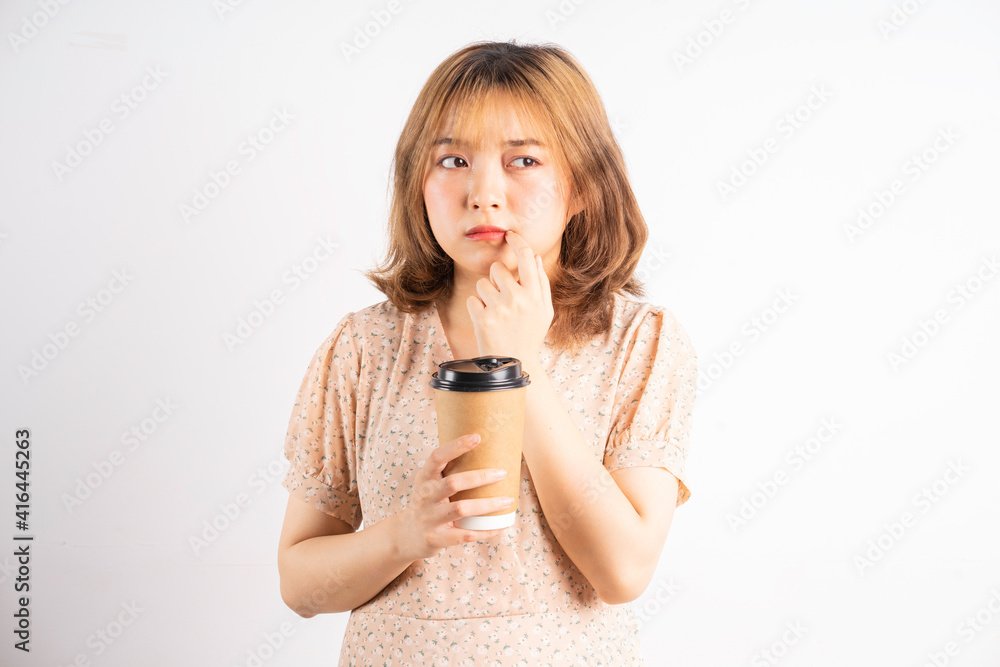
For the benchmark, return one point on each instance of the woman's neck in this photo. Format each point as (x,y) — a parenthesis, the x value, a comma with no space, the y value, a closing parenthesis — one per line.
(455,318)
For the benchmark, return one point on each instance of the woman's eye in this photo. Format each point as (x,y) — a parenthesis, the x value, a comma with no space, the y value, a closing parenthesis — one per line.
(444,162)
(531,160)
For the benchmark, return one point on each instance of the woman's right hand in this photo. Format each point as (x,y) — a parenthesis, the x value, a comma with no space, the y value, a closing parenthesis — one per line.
(427,522)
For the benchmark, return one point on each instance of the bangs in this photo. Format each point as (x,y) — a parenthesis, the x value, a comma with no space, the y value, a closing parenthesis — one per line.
(472,114)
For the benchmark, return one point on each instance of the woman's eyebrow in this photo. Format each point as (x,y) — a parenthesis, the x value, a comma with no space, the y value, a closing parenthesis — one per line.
(510,142)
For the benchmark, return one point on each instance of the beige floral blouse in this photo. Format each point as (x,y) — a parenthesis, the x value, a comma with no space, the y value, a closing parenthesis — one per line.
(363,424)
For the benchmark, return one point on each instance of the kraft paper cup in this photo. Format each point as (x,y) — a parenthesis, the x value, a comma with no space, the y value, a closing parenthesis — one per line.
(484,395)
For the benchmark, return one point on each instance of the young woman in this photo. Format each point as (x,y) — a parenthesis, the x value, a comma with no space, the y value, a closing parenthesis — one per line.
(513,138)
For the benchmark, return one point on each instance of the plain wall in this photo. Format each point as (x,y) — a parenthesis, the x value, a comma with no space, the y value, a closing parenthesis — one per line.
(821,446)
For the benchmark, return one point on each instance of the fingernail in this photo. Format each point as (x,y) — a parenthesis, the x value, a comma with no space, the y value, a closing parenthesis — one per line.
(498,474)
(507,500)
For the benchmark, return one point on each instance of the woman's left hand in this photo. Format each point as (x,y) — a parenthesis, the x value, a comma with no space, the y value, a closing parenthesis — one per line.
(512,317)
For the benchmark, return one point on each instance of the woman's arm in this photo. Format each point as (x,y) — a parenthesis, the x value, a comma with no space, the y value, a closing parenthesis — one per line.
(613,538)
(325,568)
(614,541)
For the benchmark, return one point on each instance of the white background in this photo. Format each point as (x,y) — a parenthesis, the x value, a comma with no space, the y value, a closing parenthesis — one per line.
(724,592)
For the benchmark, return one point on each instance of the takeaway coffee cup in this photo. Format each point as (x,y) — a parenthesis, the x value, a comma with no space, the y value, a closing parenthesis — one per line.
(483,395)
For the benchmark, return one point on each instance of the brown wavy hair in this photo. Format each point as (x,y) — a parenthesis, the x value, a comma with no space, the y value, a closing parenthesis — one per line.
(601,245)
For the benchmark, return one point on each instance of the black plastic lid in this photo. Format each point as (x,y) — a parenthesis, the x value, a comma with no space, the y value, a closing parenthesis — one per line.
(480,374)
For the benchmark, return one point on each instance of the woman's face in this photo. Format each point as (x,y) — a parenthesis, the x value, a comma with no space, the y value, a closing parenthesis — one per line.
(515,184)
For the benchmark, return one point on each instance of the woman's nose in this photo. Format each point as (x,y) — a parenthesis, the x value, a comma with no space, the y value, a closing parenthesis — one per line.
(486,188)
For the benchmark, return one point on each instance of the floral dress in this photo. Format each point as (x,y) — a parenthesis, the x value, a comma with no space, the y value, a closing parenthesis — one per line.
(364,422)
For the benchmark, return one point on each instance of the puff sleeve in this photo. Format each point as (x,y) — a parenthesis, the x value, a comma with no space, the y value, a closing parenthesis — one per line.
(320,442)
(655,396)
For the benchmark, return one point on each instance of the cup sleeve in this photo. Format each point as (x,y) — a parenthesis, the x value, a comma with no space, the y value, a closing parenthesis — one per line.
(654,400)
(320,442)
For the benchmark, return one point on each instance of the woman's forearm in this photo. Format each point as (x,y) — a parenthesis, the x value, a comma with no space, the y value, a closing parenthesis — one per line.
(588,513)
(336,573)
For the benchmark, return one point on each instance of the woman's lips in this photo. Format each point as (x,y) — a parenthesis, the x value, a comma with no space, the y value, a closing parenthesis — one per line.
(486,236)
